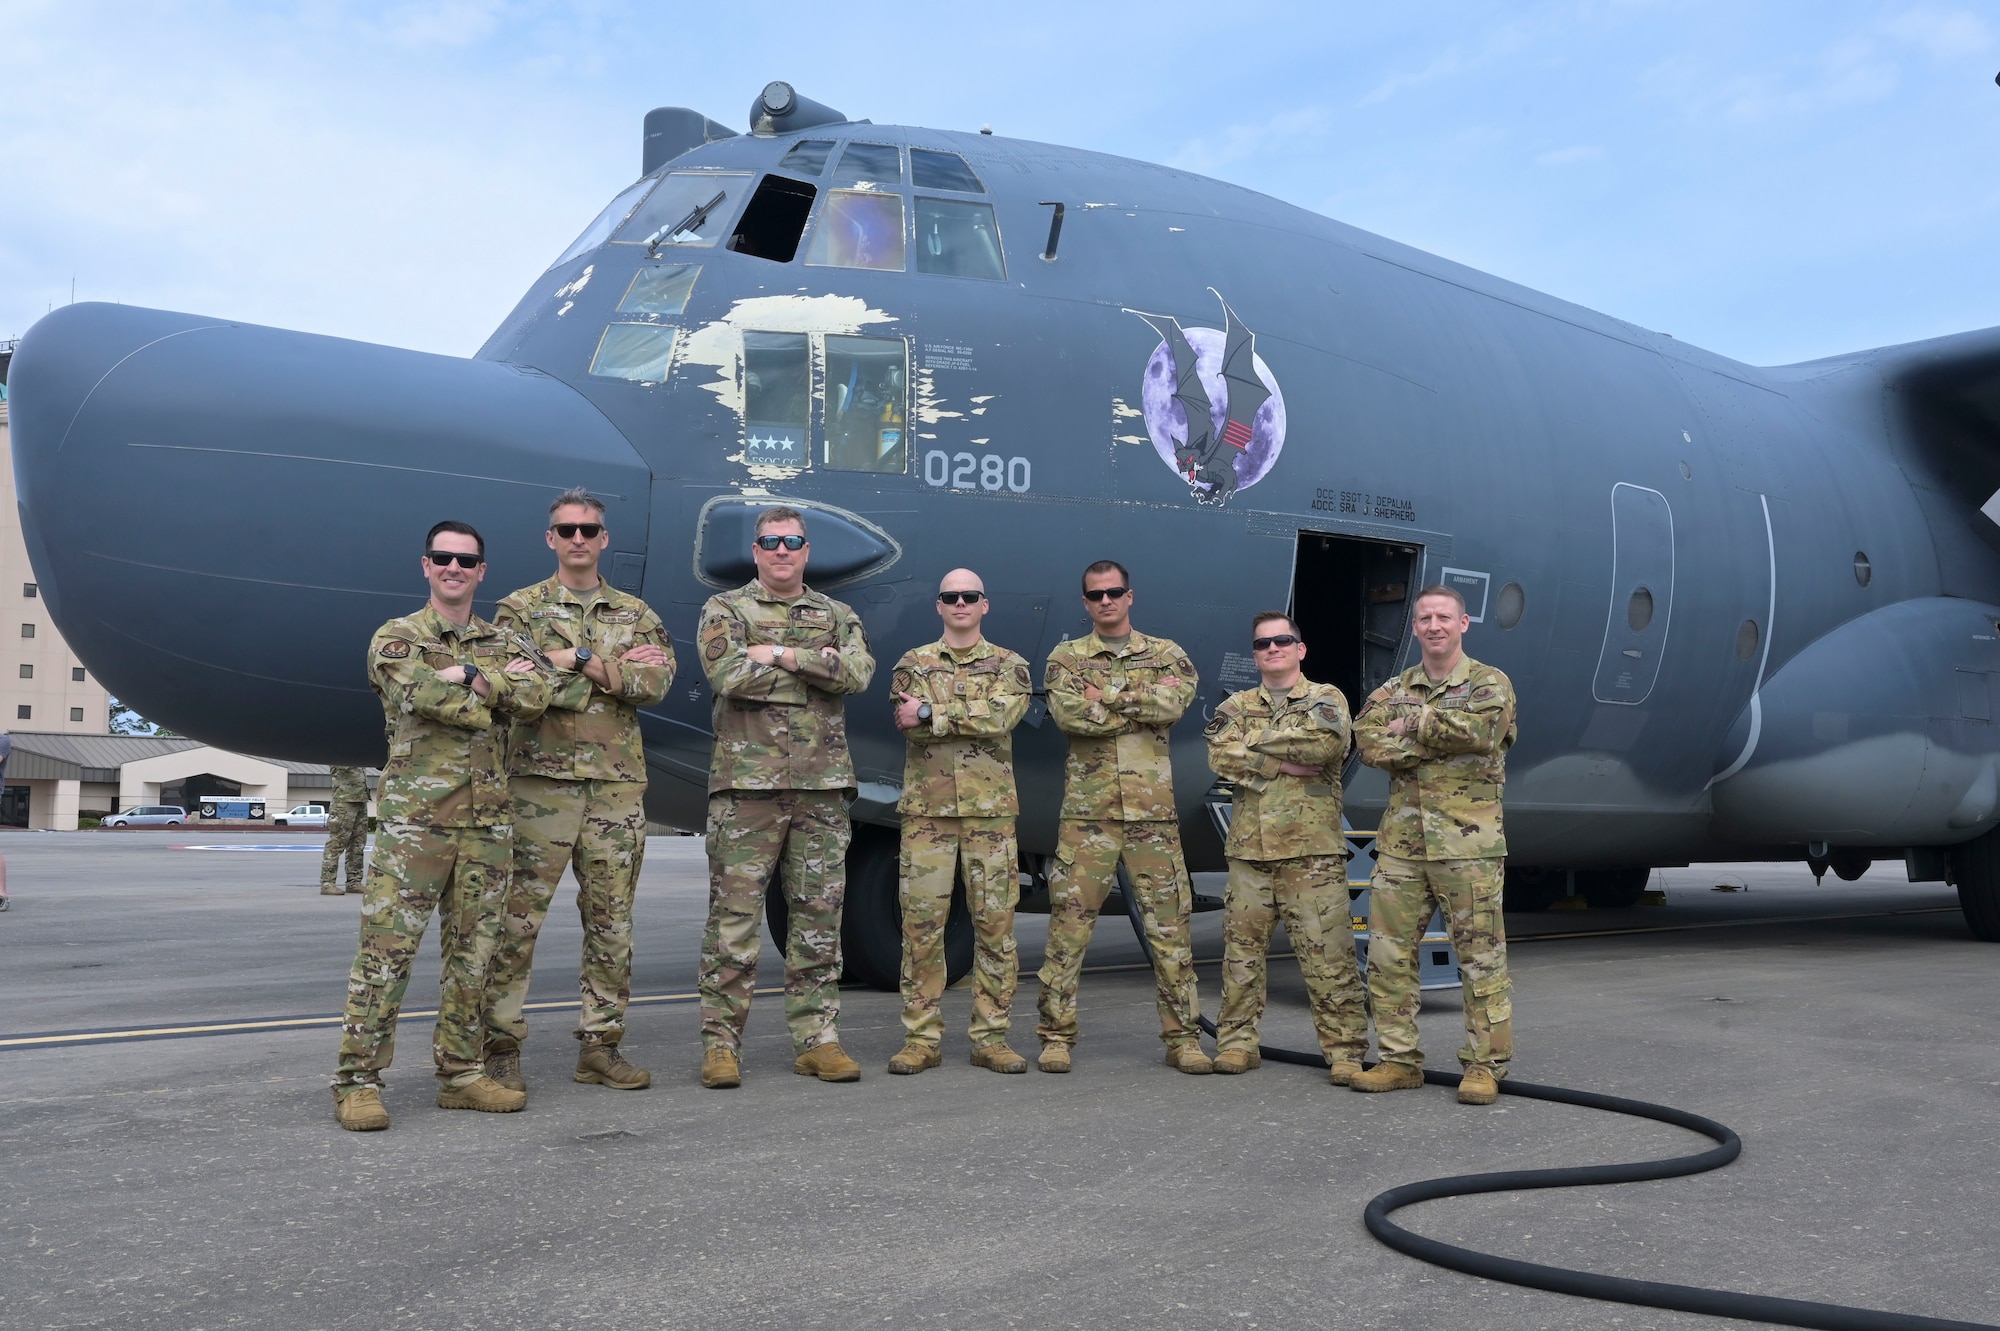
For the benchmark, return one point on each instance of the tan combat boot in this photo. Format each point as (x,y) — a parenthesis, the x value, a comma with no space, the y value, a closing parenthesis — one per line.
(719,1069)
(1055,1057)
(600,1064)
(329,891)
(1478,1087)
(1343,1071)
(1233,1062)
(828,1062)
(998,1057)
(504,1066)
(484,1094)
(361,1110)
(1388,1077)
(913,1058)
(1188,1058)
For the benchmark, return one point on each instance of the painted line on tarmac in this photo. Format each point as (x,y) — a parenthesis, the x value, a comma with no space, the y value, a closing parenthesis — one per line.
(1730,924)
(312,850)
(118,1035)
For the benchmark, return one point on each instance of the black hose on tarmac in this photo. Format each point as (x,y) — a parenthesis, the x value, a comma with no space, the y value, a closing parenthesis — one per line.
(1563,1280)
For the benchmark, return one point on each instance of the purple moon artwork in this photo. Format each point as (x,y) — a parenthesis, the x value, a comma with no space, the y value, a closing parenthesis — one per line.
(1166,418)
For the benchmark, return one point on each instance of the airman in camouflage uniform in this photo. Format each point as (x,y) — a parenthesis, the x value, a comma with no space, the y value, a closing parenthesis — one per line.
(781,659)
(346,831)
(1116,693)
(958,701)
(450,685)
(1282,745)
(1441,730)
(579,782)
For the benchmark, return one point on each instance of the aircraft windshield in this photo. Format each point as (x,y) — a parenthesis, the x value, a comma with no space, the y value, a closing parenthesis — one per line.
(867,398)
(859,229)
(958,238)
(930,169)
(639,352)
(607,221)
(807,157)
(870,163)
(689,208)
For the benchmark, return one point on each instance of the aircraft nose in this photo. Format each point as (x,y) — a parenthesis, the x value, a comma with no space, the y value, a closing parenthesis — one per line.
(220,514)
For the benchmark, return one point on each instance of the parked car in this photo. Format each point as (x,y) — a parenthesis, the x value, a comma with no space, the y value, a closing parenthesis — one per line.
(302,815)
(147,815)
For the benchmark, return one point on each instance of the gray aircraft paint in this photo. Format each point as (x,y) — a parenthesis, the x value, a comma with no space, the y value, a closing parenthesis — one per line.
(220,513)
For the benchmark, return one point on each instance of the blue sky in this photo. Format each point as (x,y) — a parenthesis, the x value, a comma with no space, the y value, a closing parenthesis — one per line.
(1773,181)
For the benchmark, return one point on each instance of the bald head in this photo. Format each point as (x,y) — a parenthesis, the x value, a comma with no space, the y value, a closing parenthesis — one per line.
(961,605)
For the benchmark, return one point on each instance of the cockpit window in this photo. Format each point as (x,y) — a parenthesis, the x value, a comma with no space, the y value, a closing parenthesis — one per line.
(859,229)
(958,238)
(639,352)
(870,163)
(777,398)
(607,221)
(867,398)
(689,208)
(930,169)
(660,289)
(807,157)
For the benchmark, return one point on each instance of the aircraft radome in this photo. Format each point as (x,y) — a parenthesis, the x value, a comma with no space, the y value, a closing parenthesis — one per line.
(1751,612)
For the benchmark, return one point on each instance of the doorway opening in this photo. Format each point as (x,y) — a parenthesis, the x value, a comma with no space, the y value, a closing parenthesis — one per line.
(1351,602)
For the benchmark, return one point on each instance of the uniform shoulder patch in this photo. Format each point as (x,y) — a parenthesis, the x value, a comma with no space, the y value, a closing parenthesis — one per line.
(718,643)
(395,649)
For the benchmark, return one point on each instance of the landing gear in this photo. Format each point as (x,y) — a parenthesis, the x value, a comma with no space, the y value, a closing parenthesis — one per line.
(1530,889)
(871,928)
(1613,889)
(1976,868)
(1848,862)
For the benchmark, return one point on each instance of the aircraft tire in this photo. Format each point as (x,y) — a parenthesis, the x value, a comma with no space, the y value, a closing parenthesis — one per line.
(1976,867)
(871,922)
(1531,889)
(1613,889)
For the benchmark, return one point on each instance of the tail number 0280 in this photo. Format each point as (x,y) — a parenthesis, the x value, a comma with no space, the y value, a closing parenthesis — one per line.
(972,471)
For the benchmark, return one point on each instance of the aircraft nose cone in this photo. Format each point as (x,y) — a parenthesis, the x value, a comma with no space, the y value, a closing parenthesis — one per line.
(221,514)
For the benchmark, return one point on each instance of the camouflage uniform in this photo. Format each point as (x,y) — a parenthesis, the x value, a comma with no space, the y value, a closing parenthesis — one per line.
(1287,854)
(1440,844)
(958,809)
(1118,804)
(346,829)
(778,786)
(579,783)
(446,837)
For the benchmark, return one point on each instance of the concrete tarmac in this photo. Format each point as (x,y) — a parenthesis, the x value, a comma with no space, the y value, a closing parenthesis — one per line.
(200,1182)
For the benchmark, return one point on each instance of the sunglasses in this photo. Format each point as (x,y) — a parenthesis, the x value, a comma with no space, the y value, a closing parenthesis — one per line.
(445,558)
(1100,593)
(960,598)
(1275,640)
(773,542)
(590,531)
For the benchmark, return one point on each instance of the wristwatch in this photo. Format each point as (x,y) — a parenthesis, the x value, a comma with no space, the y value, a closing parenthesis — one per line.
(471,675)
(582,657)
(924,712)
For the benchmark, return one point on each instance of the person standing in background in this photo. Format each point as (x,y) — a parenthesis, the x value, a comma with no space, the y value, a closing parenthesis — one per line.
(346,832)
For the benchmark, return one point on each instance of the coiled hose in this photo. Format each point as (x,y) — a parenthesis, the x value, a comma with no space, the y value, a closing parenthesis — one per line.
(1563,1280)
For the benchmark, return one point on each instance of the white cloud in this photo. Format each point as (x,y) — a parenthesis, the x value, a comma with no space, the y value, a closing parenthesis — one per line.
(1947,35)
(1209,154)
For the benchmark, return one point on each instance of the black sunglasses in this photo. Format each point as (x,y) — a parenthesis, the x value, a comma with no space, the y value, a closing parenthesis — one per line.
(1100,593)
(590,531)
(1275,640)
(773,542)
(960,598)
(442,558)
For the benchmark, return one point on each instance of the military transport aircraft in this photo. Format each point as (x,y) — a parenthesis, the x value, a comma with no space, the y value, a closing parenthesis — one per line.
(1751,612)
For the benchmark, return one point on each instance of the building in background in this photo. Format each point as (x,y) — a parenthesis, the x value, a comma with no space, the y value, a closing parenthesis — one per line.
(53,778)
(42,684)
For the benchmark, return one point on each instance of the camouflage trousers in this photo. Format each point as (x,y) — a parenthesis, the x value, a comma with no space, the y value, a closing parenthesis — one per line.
(936,851)
(802,836)
(1310,892)
(1401,898)
(1087,858)
(461,873)
(598,828)
(346,836)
